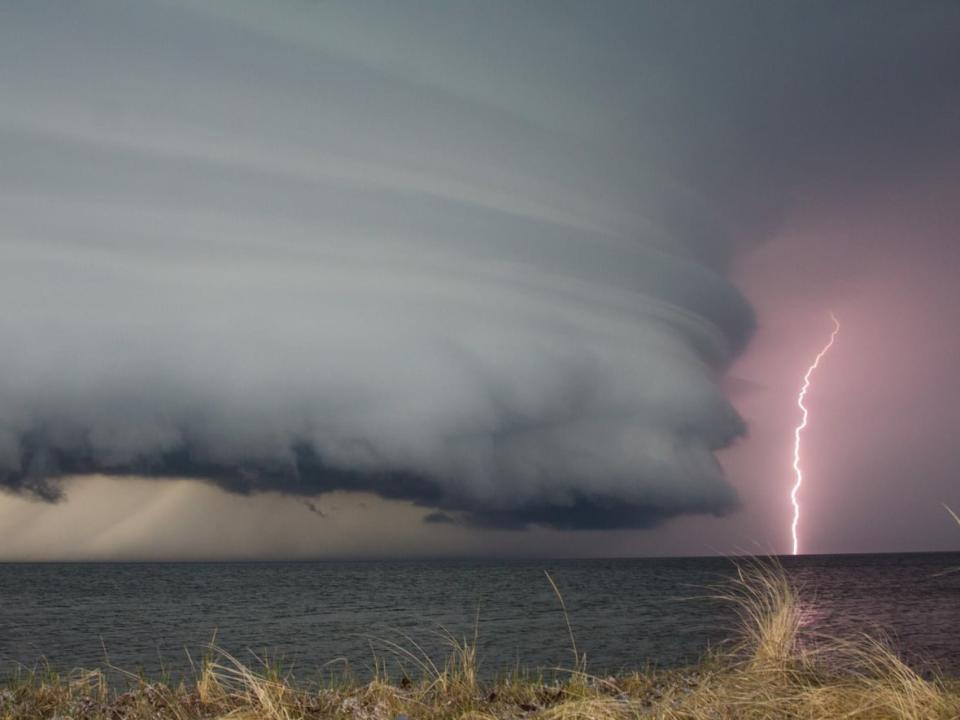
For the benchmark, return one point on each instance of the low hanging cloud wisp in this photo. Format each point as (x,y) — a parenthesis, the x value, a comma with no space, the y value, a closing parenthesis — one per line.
(459,256)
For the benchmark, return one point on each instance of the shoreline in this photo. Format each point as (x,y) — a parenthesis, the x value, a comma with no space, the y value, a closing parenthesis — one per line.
(772,668)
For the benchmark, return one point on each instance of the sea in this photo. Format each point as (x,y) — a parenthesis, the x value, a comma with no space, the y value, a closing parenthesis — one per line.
(320,620)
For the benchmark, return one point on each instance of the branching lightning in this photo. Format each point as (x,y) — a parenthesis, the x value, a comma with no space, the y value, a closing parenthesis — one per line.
(801,426)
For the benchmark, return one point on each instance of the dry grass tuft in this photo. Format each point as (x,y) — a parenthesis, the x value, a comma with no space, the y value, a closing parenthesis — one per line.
(768,608)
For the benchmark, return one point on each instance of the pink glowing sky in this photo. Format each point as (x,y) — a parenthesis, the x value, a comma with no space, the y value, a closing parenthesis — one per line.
(880,452)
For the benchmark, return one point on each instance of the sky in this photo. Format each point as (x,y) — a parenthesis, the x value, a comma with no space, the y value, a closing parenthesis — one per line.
(378,279)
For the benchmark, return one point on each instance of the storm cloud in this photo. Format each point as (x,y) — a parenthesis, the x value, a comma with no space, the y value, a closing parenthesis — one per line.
(466,254)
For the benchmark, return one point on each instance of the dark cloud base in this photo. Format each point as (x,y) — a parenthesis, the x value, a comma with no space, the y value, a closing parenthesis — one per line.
(309,477)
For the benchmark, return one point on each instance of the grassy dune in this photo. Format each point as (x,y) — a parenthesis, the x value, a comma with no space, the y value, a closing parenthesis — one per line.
(772,669)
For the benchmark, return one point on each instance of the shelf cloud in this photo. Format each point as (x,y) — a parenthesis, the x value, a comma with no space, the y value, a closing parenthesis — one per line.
(469,255)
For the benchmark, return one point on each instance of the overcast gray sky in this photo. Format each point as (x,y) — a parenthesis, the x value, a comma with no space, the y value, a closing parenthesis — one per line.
(381,278)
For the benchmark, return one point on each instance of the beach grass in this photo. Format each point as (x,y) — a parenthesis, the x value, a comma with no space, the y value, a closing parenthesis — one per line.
(772,668)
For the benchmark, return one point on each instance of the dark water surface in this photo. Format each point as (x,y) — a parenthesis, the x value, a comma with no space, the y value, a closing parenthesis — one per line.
(625,613)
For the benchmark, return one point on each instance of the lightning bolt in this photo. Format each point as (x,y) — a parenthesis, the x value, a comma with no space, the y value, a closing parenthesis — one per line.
(801,426)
